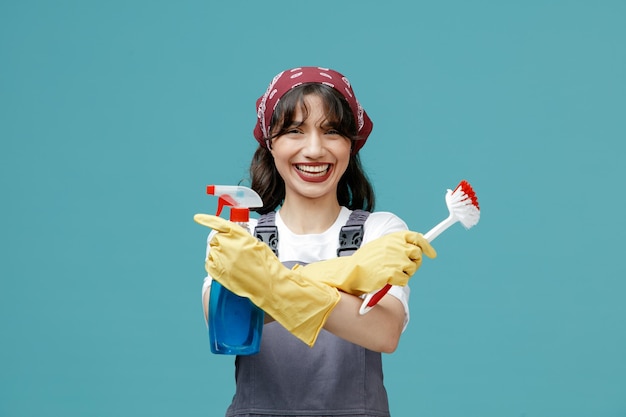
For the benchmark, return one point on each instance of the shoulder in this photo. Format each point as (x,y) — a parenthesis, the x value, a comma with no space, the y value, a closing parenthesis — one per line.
(381,223)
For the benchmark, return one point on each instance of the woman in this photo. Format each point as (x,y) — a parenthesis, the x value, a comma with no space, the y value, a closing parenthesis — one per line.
(310,128)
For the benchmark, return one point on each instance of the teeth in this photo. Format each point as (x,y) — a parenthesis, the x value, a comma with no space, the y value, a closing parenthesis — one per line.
(313,169)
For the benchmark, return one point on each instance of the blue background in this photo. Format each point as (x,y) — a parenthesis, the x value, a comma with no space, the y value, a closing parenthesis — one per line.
(115,115)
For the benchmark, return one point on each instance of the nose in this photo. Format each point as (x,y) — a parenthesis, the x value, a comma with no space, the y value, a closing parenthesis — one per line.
(314,146)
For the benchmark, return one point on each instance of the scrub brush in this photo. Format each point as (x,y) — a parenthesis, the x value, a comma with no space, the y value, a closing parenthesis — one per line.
(463,207)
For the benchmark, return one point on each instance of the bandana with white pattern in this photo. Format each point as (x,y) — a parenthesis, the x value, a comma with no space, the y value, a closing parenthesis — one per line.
(286,80)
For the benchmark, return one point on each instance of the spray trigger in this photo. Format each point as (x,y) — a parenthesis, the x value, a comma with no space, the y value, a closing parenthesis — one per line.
(225,200)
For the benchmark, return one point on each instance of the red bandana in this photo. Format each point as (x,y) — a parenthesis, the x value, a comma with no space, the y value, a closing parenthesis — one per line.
(286,80)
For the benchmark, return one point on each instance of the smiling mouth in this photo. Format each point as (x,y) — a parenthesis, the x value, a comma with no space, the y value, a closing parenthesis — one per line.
(313,170)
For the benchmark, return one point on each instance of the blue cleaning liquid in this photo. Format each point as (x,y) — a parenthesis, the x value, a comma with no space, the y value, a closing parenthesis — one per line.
(235,323)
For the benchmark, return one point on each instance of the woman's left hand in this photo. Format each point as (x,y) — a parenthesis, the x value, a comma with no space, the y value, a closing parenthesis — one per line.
(390,259)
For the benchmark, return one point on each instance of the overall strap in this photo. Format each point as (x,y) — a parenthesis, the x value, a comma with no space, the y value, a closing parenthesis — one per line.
(351,235)
(267,232)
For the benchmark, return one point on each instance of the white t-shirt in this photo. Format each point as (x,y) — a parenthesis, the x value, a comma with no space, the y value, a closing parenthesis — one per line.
(320,246)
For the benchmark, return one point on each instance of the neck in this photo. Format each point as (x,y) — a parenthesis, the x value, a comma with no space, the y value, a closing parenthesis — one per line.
(309,216)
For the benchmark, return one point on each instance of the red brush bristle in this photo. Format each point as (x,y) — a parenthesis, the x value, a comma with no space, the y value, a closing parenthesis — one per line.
(469,191)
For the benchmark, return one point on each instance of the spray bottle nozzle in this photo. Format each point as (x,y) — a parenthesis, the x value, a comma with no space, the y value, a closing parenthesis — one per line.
(234,196)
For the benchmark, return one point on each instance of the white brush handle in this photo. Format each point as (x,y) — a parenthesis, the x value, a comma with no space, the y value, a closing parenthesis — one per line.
(367,303)
(440,228)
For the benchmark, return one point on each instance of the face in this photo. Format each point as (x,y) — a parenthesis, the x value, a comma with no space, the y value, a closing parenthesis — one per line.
(311,157)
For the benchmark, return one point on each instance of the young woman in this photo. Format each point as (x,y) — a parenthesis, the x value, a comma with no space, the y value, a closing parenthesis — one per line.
(319,356)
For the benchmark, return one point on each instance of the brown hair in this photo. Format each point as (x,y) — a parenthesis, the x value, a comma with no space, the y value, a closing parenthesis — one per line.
(354,189)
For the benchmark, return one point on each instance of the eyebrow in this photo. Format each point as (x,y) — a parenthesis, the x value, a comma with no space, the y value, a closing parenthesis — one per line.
(326,124)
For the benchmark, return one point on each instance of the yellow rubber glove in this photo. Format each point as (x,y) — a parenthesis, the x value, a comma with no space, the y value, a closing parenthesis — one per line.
(390,259)
(249,268)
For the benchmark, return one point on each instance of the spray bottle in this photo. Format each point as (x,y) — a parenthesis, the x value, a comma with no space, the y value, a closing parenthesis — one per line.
(235,323)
